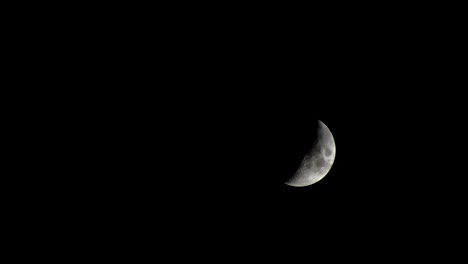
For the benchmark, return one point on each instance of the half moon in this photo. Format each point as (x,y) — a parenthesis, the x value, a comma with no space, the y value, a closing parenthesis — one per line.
(318,161)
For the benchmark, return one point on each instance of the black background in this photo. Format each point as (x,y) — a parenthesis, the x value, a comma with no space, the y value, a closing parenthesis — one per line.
(185,129)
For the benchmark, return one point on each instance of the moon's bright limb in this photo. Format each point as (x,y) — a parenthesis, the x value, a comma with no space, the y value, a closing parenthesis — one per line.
(318,162)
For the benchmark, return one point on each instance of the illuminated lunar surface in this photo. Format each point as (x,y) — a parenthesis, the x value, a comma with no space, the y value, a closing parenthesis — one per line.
(318,161)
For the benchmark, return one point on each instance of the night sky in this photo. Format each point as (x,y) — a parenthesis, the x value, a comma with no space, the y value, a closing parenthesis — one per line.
(218,167)
(196,139)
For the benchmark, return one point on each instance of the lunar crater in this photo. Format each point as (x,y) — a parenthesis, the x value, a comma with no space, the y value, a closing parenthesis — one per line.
(319,163)
(328,152)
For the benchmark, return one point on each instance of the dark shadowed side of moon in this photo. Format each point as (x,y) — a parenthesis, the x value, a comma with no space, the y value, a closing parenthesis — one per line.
(318,160)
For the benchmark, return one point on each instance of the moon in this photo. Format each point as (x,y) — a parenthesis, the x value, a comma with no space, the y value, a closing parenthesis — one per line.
(318,161)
